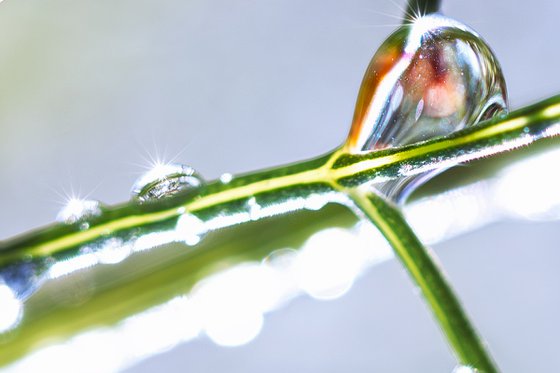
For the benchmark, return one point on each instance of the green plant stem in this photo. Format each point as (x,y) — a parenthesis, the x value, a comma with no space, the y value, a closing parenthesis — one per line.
(218,205)
(422,266)
(283,189)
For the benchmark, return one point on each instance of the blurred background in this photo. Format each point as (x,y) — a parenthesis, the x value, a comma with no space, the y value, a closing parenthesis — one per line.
(92,91)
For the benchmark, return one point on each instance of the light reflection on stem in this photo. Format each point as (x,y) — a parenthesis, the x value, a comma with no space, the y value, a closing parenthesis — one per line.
(307,185)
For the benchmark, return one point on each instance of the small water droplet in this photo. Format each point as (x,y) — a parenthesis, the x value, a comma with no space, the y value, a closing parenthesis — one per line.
(430,78)
(77,209)
(190,229)
(226,178)
(165,180)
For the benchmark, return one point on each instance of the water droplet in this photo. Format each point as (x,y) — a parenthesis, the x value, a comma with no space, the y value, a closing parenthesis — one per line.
(77,209)
(430,78)
(226,178)
(190,229)
(165,180)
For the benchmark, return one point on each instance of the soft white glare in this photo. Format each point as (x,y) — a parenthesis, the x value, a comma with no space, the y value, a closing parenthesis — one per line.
(11,308)
(112,349)
(328,263)
(76,209)
(451,213)
(233,302)
(531,188)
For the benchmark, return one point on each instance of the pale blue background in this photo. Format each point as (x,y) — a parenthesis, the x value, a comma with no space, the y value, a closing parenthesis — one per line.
(88,89)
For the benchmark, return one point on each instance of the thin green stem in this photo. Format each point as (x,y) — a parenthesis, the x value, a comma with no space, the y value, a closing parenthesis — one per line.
(285,188)
(256,196)
(422,266)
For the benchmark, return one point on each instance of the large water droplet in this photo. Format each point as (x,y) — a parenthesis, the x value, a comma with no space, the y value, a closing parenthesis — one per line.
(165,180)
(430,78)
(78,209)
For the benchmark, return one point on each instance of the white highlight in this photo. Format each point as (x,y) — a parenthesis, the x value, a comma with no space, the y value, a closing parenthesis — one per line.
(226,178)
(233,302)
(190,229)
(464,369)
(76,209)
(113,251)
(112,349)
(11,308)
(451,213)
(328,263)
(65,267)
(530,188)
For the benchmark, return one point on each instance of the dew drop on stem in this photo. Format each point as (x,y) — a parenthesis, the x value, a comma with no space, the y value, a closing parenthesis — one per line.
(165,180)
(77,209)
(430,78)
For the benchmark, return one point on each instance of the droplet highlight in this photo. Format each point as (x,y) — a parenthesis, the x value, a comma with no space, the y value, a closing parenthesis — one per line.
(430,78)
(165,180)
(77,209)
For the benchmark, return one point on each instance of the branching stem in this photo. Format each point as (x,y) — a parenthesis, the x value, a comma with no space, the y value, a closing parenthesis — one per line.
(422,266)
